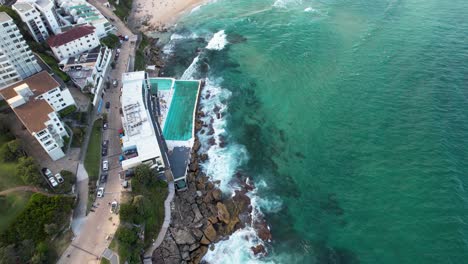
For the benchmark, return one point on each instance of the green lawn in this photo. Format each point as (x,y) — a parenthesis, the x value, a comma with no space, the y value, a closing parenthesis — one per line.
(11,206)
(54,65)
(105,261)
(92,161)
(156,195)
(8,169)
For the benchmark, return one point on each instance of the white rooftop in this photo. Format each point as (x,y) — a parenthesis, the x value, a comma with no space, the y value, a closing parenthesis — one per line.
(137,124)
(23,7)
(4,17)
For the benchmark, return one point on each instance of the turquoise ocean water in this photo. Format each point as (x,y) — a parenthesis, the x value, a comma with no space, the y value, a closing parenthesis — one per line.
(350,116)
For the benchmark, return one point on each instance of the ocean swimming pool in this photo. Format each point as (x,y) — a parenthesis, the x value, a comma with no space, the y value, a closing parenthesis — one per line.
(161,84)
(178,124)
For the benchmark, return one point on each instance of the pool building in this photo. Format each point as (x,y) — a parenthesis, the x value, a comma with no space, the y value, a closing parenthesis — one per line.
(169,108)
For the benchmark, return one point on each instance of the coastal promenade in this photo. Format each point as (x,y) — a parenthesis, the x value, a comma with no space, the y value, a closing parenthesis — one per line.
(96,230)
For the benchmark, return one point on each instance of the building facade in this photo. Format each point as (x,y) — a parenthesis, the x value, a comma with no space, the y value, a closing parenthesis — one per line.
(16,59)
(73,42)
(32,18)
(36,101)
(48,13)
(80,12)
(88,70)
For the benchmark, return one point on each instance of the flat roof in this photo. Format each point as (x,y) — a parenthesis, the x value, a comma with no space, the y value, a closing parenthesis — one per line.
(137,122)
(39,83)
(4,17)
(34,114)
(23,7)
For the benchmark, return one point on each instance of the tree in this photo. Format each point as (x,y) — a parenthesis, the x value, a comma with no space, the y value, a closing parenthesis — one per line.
(16,147)
(26,250)
(8,254)
(139,202)
(51,229)
(28,170)
(111,41)
(144,175)
(6,155)
(128,213)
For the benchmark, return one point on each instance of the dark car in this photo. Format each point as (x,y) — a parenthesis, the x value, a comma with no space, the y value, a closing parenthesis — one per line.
(104,151)
(103,178)
(105,143)
(105,125)
(108,105)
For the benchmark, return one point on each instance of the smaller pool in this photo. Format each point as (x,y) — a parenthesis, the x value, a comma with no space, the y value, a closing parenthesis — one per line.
(160,84)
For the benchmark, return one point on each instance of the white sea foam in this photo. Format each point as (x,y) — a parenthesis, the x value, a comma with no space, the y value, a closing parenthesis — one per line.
(285,3)
(218,41)
(310,10)
(223,161)
(177,36)
(190,71)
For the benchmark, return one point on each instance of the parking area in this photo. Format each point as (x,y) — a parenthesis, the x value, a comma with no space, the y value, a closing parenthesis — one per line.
(33,148)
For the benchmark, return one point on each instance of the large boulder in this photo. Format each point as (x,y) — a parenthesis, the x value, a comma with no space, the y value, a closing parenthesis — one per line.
(198,254)
(223,213)
(196,211)
(258,249)
(210,232)
(182,236)
(216,193)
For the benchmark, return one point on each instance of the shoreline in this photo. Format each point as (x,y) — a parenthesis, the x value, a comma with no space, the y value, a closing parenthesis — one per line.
(158,15)
(202,215)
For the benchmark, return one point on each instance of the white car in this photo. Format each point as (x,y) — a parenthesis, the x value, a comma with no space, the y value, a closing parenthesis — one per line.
(53,182)
(59,178)
(100,192)
(105,165)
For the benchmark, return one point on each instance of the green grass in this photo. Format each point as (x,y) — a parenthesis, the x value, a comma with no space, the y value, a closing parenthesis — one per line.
(49,60)
(156,195)
(105,261)
(11,206)
(8,178)
(3,103)
(122,10)
(67,111)
(140,62)
(92,161)
(78,134)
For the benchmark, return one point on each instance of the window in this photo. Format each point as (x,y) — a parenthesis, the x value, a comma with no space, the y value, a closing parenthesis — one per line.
(64,104)
(61,100)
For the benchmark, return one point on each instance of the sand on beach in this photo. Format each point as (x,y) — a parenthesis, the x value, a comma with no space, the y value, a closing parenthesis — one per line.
(159,14)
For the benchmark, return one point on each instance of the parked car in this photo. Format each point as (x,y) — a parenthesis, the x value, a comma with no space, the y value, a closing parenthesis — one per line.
(104,151)
(125,184)
(105,165)
(107,105)
(105,125)
(46,172)
(53,181)
(100,192)
(103,178)
(59,178)
(105,143)
(115,82)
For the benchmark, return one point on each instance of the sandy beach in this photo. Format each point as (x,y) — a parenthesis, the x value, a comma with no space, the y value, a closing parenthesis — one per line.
(150,15)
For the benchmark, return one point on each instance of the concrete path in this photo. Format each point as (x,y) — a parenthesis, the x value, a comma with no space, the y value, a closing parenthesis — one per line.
(25,189)
(111,256)
(167,222)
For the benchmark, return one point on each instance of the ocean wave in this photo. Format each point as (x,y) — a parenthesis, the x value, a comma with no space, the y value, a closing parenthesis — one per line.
(218,41)
(285,3)
(236,249)
(310,10)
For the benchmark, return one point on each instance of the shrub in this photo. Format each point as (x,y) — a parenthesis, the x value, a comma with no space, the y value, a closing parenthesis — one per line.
(111,41)
(28,170)
(67,111)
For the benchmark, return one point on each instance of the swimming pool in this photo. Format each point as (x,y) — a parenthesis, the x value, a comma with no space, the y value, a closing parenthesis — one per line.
(179,121)
(160,84)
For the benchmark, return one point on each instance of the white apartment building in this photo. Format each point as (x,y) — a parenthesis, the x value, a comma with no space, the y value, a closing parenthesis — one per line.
(35,102)
(32,18)
(16,59)
(73,42)
(88,70)
(139,143)
(80,12)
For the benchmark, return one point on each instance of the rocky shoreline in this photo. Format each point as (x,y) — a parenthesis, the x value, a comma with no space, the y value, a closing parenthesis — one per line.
(202,215)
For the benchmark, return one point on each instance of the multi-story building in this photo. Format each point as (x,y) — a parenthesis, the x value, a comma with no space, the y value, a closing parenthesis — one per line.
(139,141)
(88,69)
(32,18)
(73,42)
(80,12)
(16,59)
(36,101)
